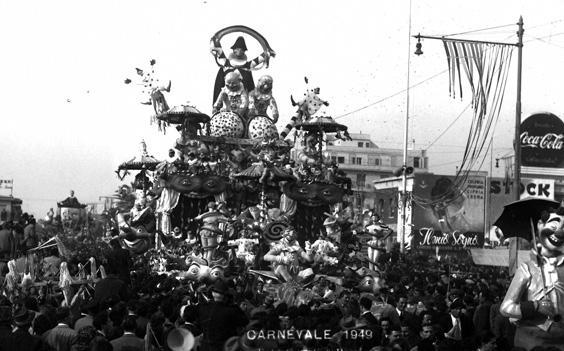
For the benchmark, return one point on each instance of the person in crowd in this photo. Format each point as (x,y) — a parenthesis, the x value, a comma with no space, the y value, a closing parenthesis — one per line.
(62,337)
(427,338)
(85,335)
(30,239)
(119,258)
(102,323)
(218,319)
(23,340)
(128,341)
(455,327)
(7,242)
(366,315)
(87,316)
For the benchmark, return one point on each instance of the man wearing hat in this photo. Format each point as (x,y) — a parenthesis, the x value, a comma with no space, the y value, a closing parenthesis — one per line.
(235,61)
(21,336)
(219,320)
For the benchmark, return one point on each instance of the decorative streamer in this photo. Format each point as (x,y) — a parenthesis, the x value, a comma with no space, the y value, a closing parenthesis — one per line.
(486,68)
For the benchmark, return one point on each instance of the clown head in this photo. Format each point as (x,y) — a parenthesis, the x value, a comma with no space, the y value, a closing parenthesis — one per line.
(265,84)
(234,81)
(551,233)
(289,235)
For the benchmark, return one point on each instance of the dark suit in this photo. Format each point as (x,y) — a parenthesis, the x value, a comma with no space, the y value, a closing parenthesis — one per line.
(128,342)
(27,342)
(219,322)
(368,318)
(60,338)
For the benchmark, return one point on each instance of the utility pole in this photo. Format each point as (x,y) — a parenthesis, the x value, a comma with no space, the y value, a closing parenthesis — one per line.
(517,141)
(403,193)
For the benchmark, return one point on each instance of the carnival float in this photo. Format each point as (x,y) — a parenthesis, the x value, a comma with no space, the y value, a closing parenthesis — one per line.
(235,196)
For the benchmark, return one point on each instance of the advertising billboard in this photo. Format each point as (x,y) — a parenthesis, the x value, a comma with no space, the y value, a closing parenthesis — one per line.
(448,211)
(542,141)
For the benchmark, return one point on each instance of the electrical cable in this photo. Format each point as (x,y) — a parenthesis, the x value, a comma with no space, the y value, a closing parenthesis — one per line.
(479,30)
(390,96)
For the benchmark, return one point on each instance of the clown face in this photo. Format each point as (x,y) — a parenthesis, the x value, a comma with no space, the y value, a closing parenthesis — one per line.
(315,194)
(197,186)
(265,84)
(233,81)
(551,235)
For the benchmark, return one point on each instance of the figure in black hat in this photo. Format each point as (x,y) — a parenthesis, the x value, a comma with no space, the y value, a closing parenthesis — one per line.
(235,61)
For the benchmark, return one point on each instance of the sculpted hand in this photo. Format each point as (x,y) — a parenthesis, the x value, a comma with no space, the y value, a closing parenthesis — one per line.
(545,307)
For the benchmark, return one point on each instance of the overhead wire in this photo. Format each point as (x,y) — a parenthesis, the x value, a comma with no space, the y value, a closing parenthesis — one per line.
(390,96)
(479,30)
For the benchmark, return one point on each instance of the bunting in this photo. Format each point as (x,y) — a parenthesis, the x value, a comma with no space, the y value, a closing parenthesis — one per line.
(484,67)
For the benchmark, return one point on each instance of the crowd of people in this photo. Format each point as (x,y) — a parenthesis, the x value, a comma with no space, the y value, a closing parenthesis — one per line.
(421,304)
(18,236)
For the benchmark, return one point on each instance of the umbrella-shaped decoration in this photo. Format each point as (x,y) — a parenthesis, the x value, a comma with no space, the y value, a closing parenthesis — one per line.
(515,220)
(183,113)
(322,124)
(143,162)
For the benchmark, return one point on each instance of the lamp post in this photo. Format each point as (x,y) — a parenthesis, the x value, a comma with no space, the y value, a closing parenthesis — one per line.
(517,137)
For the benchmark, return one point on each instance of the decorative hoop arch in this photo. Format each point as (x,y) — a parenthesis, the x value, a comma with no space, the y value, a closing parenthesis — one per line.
(267,50)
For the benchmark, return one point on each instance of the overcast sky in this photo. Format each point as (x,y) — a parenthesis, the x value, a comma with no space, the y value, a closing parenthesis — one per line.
(68,120)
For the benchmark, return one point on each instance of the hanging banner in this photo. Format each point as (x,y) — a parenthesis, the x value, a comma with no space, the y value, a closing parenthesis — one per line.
(448,212)
(542,141)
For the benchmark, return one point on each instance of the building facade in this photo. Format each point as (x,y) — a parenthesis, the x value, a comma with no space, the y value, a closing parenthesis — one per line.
(10,208)
(364,162)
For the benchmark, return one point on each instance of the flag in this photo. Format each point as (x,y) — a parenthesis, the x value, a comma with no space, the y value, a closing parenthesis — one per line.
(6,183)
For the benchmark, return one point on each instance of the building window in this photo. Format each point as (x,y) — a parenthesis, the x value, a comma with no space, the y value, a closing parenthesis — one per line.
(334,158)
(340,159)
(360,144)
(367,144)
(416,162)
(377,161)
(356,160)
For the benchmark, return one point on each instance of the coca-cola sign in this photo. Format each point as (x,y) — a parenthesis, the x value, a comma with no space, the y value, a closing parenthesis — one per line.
(542,141)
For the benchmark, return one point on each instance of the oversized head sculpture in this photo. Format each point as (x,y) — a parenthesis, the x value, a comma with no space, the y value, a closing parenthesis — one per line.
(197,186)
(535,297)
(551,234)
(202,271)
(314,194)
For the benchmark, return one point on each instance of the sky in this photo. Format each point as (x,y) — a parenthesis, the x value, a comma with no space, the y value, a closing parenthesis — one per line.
(68,119)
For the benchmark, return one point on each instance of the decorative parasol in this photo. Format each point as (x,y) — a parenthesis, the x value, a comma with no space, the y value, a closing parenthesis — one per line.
(183,113)
(143,162)
(322,124)
(515,220)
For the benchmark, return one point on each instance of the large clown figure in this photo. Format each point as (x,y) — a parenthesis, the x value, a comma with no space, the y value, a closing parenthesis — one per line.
(535,298)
